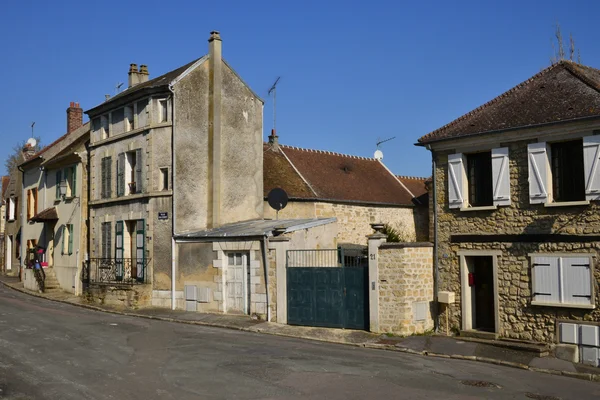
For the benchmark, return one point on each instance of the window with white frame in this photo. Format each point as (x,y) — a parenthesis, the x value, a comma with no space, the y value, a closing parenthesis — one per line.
(479,179)
(163,110)
(129,120)
(67,238)
(11,209)
(69,177)
(564,171)
(562,280)
(129,173)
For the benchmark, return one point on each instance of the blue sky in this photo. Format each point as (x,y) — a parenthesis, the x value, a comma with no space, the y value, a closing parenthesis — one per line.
(352,72)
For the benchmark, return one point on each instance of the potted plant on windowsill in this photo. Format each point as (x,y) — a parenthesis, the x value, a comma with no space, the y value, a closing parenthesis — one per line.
(132,188)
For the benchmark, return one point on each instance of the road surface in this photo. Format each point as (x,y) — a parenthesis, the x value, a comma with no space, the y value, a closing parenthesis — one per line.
(51,350)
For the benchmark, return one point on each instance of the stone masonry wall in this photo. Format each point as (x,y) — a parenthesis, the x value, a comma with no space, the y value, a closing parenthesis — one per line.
(518,318)
(405,278)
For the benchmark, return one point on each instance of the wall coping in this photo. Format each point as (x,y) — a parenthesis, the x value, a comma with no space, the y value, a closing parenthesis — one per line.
(404,245)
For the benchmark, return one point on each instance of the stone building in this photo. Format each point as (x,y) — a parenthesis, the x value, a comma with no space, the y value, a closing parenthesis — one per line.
(55,200)
(517,222)
(357,191)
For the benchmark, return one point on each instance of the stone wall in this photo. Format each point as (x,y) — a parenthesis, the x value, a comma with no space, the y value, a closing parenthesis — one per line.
(405,283)
(518,318)
(122,296)
(354,220)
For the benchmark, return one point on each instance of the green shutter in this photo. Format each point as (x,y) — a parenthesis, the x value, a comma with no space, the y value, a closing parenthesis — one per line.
(70,228)
(62,240)
(140,249)
(119,250)
(139,179)
(58,179)
(74,181)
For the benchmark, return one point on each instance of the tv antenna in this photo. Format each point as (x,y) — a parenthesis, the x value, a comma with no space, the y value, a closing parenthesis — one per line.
(274,91)
(118,87)
(32,125)
(378,153)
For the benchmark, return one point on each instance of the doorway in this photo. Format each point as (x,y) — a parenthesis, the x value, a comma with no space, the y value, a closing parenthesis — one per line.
(238,283)
(9,254)
(479,293)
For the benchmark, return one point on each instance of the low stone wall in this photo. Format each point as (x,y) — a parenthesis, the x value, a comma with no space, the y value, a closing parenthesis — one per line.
(405,287)
(29,281)
(125,296)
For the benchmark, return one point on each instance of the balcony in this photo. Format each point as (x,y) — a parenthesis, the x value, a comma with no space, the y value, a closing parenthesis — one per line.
(115,271)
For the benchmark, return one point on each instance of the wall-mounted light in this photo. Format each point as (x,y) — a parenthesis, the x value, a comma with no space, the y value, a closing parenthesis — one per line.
(62,188)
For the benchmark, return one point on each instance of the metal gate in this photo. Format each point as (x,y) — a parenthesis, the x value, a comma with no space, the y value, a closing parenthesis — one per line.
(327,288)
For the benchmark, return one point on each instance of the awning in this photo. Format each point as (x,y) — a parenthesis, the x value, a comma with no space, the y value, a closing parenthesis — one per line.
(48,215)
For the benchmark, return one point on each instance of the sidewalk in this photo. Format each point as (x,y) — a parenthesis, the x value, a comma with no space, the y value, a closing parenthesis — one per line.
(434,345)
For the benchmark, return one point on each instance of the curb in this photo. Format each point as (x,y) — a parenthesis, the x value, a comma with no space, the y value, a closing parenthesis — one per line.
(578,375)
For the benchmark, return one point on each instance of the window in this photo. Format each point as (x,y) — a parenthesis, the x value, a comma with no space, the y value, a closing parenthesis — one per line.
(106,177)
(31,203)
(567,171)
(479,171)
(58,181)
(163,110)
(564,171)
(118,121)
(105,122)
(97,126)
(67,237)
(11,209)
(562,280)
(106,240)
(142,116)
(69,177)
(479,179)
(164,178)
(129,173)
(129,121)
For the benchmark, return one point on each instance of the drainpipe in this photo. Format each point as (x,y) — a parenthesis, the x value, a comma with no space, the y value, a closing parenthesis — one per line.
(266,266)
(23,211)
(435,241)
(173,198)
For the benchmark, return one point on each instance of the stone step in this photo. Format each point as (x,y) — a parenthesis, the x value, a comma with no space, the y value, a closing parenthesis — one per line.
(539,349)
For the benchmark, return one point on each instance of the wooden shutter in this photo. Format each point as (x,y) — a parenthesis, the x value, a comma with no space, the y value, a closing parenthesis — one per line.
(576,273)
(501,176)
(456,179)
(58,179)
(121,175)
(103,183)
(108,177)
(538,172)
(35,201)
(70,245)
(16,212)
(546,278)
(74,181)
(103,252)
(29,200)
(64,234)
(140,248)
(591,156)
(139,178)
(119,250)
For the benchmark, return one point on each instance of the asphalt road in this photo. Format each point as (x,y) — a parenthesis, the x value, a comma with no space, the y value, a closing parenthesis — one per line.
(53,351)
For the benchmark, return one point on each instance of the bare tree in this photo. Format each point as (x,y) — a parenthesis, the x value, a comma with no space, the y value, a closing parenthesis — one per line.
(16,156)
(558,47)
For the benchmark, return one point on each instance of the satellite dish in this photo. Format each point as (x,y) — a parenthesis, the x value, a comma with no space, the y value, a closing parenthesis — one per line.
(277,199)
(32,142)
(378,155)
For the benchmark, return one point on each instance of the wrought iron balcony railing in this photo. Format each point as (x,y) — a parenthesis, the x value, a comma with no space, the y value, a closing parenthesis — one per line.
(116,271)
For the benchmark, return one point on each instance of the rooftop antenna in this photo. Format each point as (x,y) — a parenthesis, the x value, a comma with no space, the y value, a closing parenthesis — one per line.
(274,91)
(378,153)
(118,87)
(32,125)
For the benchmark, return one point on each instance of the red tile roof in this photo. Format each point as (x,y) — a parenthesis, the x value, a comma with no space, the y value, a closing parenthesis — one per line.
(49,214)
(562,92)
(320,175)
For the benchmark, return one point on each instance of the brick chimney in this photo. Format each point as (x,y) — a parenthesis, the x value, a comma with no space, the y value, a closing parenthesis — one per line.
(74,117)
(133,75)
(143,75)
(28,151)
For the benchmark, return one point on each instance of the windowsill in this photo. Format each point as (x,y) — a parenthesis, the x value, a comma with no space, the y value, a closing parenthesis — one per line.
(564,305)
(568,203)
(480,208)
(132,132)
(131,197)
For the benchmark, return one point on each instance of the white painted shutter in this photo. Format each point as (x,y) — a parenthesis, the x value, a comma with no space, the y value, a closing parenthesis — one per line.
(591,156)
(576,280)
(456,177)
(501,176)
(546,277)
(538,172)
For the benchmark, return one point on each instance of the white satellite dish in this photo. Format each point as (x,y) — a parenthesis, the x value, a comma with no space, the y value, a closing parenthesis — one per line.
(32,142)
(378,155)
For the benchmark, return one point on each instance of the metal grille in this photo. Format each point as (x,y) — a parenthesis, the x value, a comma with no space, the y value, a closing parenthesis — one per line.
(327,258)
(122,270)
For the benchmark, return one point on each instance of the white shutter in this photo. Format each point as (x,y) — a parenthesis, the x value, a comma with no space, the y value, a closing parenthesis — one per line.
(538,172)
(546,277)
(577,280)
(501,176)
(591,154)
(456,179)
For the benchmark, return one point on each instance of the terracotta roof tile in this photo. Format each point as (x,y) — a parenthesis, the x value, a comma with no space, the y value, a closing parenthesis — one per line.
(322,175)
(49,214)
(562,92)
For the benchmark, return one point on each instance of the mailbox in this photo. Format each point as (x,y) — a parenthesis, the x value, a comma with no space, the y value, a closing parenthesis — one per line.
(446,297)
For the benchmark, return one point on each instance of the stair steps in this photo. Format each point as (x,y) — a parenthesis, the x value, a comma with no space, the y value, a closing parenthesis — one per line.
(51,283)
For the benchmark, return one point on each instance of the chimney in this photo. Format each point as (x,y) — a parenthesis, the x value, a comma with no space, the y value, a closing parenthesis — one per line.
(133,75)
(214,124)
(143,74)
(274,140)
(74,117)
(28,151)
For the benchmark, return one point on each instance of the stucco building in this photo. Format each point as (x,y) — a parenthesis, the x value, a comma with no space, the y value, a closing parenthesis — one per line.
(517,185)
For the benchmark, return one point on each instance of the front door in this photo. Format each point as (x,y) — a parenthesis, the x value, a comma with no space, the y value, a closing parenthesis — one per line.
(483,271)
(9,254)
(238,282)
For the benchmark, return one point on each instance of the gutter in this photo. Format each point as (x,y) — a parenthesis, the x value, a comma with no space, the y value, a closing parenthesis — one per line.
(173,198)
(23,211)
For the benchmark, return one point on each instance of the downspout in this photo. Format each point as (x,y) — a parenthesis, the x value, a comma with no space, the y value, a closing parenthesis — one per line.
(435,241)
(266,266)
(23,211)
(173,198)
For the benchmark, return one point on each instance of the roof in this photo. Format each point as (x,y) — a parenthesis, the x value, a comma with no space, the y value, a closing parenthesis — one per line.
(258,227)
(49,214)
(71,136)
(563,92)
(5,181)
(321,175)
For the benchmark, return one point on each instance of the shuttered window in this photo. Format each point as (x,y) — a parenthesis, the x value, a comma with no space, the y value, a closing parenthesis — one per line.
(58,181)
(479,172)
(562,280)
(67,239)
(591,161)
(140,249)
(31,203)
(119,251)
(106,240)
(567,171)
(106,176)
(537,155)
